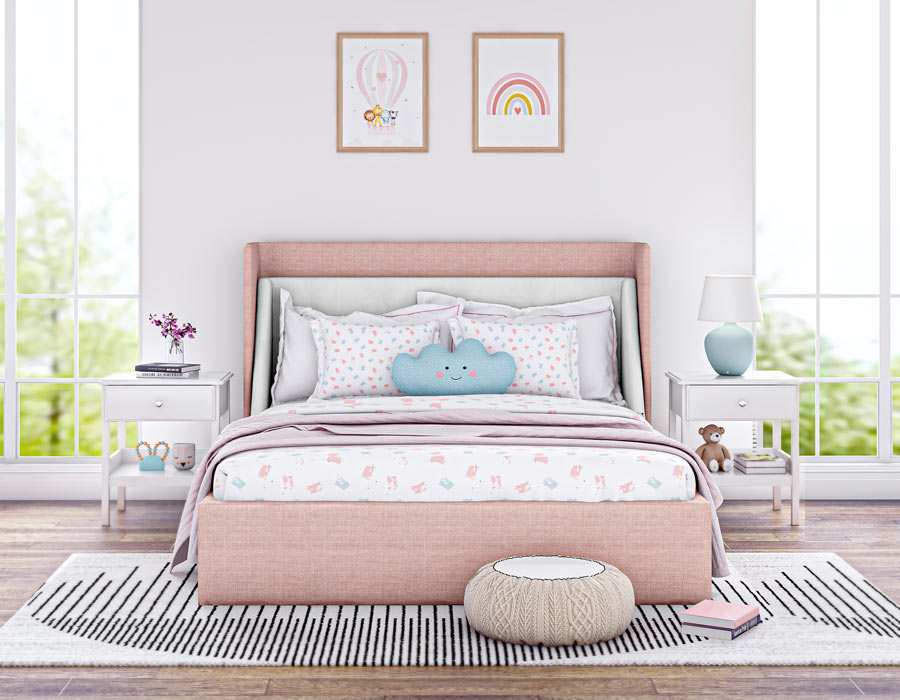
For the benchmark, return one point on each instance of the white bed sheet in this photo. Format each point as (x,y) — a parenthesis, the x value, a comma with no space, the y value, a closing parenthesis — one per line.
(453,473)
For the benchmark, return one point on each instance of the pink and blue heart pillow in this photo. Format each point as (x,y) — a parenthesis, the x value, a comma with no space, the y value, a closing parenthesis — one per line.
(469,369)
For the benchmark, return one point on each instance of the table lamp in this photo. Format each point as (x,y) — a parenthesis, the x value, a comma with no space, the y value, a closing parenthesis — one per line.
(730,298)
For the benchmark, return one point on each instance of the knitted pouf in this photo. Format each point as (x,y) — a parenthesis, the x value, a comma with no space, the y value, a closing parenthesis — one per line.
(549,600)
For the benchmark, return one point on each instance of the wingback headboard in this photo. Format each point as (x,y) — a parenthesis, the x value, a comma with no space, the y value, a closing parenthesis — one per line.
(545,259)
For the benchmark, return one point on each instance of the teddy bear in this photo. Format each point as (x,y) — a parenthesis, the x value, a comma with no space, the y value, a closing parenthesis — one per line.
(713,453)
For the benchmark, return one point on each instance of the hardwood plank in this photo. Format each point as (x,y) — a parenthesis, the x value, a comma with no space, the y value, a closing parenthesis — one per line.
(171,688)
(461,686)
(28,687)
(871,685)
(824,687)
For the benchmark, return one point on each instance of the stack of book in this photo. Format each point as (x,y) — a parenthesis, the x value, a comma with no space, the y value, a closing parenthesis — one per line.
(171,370)
(719,619)
(760,462)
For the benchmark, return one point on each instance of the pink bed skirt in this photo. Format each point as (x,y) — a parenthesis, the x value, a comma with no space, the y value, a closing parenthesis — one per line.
(425,553)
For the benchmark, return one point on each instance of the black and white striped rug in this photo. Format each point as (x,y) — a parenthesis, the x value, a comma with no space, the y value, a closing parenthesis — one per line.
(126,609)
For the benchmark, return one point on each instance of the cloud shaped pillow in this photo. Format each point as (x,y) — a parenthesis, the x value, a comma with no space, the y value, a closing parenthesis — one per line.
(469,369)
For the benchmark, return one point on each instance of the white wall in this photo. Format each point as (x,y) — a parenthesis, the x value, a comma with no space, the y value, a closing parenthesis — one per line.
(239,145)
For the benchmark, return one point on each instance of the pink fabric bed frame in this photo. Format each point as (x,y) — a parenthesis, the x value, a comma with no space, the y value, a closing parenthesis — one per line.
(285,553)
(386,553)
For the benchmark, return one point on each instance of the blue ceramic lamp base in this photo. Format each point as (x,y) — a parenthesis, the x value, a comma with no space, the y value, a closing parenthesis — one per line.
(729,349)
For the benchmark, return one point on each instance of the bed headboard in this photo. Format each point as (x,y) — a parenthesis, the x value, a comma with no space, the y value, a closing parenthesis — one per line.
(621,270)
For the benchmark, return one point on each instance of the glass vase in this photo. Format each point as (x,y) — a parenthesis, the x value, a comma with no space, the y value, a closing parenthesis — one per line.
(174,351)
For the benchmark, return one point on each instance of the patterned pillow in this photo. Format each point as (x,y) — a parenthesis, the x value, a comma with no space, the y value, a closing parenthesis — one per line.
(546,354)
(355,359)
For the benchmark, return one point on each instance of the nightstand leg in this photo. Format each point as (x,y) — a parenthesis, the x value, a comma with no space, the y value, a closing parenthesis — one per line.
(795,472)
(120,498)
(776,443)
(104,477)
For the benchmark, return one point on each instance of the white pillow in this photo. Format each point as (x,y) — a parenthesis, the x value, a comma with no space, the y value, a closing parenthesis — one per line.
(598,368)
(296,371)
(546,354)
(356,359)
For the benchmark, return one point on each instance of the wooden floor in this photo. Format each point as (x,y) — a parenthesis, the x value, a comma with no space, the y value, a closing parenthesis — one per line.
(35,538)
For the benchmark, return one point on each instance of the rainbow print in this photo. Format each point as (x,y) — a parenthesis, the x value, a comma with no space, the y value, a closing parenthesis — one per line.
(518,94)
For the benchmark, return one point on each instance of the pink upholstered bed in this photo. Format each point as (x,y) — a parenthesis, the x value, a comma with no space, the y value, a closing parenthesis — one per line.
(407,553)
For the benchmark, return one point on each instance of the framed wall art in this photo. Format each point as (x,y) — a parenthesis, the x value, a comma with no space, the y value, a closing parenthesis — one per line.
(517,92)
(382,92)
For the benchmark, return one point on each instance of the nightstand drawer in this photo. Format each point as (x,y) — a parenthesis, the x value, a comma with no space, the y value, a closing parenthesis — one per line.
(740,403)
(159,403)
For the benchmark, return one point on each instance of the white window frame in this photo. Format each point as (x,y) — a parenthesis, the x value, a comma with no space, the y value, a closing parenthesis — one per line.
(10,382)
(884,460)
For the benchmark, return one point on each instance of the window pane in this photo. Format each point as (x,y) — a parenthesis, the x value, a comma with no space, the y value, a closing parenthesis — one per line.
(107,336)
(45,154)
(46,420)
(849,337)
(807,424)
(2,150)
(2,335)
(90,424)
(2,424)
(786,146)
(896,411)
(847,420)
(786,339)
(895,148)
(895,337)
(45,338)
(849,150)
(108,146)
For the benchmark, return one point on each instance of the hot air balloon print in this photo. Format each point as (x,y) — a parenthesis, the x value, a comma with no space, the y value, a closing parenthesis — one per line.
(382,96)
(381,75)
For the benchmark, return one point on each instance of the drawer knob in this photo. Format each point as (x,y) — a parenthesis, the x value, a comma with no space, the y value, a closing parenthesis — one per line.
(741,403)
(158,404)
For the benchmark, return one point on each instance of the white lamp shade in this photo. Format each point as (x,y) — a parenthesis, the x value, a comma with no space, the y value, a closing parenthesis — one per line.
(730,298)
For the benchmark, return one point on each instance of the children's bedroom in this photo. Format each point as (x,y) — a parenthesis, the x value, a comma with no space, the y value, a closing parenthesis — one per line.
(503,349)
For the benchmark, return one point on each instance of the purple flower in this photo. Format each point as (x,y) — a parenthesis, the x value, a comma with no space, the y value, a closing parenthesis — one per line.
(169,328)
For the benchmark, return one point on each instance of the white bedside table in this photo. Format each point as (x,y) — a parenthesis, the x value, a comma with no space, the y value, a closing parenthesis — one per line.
(127,398)
(754,396)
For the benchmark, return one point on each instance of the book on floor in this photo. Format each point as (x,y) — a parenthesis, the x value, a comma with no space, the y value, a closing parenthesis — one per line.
(719,613)
(725,633)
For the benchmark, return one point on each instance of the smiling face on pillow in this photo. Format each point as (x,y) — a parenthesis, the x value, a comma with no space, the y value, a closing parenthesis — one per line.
(469,369)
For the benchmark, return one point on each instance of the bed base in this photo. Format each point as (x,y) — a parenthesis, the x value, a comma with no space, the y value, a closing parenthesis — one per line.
(318,553)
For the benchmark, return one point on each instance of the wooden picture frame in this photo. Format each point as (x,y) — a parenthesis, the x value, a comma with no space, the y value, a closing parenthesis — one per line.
(491,130)
(397,72)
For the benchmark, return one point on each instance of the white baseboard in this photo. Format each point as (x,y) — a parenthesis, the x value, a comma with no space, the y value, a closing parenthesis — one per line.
(853,483)
(82,483)
(79,483)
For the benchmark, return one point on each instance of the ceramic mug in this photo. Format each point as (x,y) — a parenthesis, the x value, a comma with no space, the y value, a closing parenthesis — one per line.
(183,455)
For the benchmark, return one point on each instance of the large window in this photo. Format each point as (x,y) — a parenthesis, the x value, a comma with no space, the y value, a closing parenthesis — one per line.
(70,273)
(823,229)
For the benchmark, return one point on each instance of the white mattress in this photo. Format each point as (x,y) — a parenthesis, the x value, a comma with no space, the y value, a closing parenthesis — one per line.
(453,473)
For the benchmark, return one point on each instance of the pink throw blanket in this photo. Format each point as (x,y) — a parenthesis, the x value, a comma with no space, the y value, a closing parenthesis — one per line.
(316,425)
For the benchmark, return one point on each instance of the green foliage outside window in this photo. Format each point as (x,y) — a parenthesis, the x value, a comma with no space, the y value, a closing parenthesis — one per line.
(848,413)
(45,328)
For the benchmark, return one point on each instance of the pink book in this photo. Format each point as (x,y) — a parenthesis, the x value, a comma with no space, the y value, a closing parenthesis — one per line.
(719,613)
